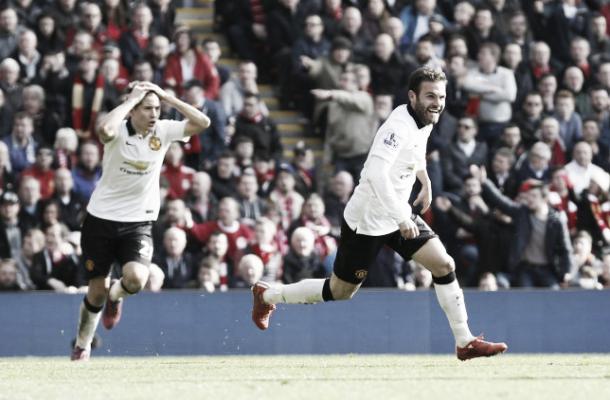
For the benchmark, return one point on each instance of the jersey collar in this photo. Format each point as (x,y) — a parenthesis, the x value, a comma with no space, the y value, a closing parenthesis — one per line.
(130,129)
(411,111)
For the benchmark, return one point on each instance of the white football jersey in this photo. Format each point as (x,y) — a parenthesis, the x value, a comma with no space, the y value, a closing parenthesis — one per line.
(128,190)
(400,143)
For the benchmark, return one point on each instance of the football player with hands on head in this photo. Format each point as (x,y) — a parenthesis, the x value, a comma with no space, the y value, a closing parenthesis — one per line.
(118,225)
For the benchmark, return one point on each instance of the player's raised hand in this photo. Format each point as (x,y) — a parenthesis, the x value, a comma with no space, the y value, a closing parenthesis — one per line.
(151,87)
(137,91)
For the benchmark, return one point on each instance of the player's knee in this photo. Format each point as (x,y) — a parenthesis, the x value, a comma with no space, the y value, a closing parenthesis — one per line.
(442,266)
(340,289)
(96,299)
(447,266)
(135,279)
(97,292)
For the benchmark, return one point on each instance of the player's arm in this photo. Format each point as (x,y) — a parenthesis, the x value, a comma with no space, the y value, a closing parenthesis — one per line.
(108,125)
(196,120)
(379,179)
(425,194)
(399,211)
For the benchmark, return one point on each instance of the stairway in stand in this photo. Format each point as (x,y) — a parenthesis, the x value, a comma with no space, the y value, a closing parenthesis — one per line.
(291,124)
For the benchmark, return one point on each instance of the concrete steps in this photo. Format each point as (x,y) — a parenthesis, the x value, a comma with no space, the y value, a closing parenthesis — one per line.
(292,125)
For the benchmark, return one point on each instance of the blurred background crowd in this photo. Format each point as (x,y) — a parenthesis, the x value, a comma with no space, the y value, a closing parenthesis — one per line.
(519,160)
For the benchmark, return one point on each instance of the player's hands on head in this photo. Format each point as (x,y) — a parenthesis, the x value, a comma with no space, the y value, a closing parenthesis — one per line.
(408,229)
(151,87)
(137,91)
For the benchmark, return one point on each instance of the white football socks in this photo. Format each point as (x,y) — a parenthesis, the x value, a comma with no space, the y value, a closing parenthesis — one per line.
(307,291)
(451,300)
(87,323)
(117,292)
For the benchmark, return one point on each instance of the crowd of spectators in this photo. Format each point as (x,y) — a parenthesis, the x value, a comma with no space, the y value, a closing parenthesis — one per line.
(519,161)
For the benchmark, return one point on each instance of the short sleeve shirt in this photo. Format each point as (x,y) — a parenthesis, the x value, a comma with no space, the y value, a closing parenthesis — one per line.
(128,190)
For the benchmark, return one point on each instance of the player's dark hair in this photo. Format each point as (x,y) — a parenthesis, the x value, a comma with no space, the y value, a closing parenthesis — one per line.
(425,74)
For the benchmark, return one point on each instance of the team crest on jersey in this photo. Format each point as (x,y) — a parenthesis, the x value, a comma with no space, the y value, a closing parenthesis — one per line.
(154,143)
(391,140)
(361,274)
(89,264)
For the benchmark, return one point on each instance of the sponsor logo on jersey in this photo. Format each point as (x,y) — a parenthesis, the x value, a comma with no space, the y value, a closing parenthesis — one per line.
(138,165)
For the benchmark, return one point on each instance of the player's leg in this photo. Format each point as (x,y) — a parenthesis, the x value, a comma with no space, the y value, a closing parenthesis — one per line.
(97,245)
(434,257)
(310,291)
(89,317)
(354,255)
(134,254)
(134,278)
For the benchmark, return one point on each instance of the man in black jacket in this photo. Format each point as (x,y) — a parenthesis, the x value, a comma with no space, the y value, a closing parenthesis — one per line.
(540,252)
(11,230)
(461,154)
(263,130)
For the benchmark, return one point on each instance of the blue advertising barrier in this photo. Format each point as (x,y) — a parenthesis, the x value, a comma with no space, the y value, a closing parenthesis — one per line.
(375,321)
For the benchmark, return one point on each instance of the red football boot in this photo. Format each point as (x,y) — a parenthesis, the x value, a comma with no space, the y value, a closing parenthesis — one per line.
(112,313)
(480,348)
(261,311)
(79,354)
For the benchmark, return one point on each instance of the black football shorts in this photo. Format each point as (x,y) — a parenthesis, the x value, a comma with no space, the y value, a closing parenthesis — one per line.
(105,242)
(357,252)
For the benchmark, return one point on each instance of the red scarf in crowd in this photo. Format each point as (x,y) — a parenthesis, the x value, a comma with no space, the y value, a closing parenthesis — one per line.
(78,101)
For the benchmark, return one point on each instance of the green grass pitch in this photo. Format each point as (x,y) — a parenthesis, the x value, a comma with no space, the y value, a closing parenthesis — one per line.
(370,377)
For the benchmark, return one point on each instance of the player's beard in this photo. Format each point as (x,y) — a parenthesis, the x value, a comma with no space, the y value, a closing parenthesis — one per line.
(425,114)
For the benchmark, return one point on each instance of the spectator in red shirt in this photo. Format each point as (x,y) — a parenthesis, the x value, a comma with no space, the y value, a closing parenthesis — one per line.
(42,172)
(179,176)
(239,235)
(189,62)
(312,217)
(549,134)
(265,246)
